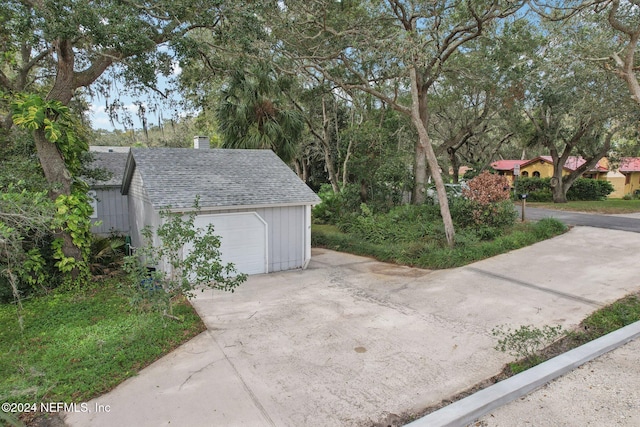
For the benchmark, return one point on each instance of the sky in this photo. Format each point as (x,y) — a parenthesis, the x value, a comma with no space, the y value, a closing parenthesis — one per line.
(100,118)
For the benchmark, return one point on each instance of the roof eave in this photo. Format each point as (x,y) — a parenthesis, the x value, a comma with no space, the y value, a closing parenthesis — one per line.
(233,207)
(128,173)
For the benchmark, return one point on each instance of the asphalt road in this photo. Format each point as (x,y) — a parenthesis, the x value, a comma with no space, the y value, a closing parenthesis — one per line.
(611,222)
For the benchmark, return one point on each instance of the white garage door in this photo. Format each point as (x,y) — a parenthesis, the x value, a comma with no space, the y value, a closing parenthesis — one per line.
(244,239)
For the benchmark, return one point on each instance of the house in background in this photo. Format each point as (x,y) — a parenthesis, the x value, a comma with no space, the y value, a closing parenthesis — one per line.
(630,168)
(505,167)
(110,207)
(625,179)
(542,167)
(257,204)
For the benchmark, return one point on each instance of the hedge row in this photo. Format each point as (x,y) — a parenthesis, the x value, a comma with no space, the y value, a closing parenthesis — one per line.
(539,189)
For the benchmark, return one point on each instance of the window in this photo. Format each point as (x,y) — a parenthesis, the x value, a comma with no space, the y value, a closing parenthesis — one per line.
(627,179)
(536,174)
(525,174)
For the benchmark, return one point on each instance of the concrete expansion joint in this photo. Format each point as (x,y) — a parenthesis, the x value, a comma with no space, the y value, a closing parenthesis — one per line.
(469,409)
(536,287)
(245,386)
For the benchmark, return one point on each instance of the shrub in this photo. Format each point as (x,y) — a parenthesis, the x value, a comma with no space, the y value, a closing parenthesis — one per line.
(335,205)
(200,268)
(531,185)
(489,197)
(401,224)
(488,188)
(589,189)
(543,195)
(330,209)
(539,189)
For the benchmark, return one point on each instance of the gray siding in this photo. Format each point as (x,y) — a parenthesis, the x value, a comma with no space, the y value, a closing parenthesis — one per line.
(285,232)
(113,210)
(141,212)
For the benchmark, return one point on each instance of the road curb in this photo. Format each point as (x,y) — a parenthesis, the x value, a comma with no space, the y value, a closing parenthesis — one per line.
(469,409)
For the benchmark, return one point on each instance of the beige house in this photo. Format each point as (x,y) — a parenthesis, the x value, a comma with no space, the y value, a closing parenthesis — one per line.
(625,179)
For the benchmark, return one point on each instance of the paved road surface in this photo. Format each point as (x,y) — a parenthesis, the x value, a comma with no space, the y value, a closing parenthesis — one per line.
(612,222)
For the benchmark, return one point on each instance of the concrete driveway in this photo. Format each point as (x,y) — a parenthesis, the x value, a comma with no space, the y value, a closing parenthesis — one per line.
(352,341)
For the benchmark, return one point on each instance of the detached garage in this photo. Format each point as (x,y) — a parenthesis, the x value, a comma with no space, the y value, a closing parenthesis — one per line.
(257,204)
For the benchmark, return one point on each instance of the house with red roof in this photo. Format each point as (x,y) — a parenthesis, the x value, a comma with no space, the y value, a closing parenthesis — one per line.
(625,179)
(542,167)
(630,168)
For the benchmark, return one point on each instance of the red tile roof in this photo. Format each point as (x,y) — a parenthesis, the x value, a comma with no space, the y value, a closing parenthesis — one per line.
(630,164)
(572,163)
(506,165)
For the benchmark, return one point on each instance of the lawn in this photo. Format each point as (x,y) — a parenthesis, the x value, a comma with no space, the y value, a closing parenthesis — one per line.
(608,206)
(79,344)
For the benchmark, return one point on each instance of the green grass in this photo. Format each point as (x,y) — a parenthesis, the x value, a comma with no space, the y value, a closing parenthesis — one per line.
(608,206)
(601,322)
(77,345)
(608,319)
(433,254)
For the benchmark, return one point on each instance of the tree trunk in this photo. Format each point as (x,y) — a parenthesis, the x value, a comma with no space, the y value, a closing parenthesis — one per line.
(326,147)
(51,159)
(57,174)
(419,195)
(559,190)
(455,165)
(364,191)
(345,173)
(419,114)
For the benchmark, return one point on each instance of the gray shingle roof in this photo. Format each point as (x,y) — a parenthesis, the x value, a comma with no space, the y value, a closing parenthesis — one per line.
(112,162)
(221,177)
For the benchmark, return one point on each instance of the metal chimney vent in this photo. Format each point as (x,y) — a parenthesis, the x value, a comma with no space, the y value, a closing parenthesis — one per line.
(201,142)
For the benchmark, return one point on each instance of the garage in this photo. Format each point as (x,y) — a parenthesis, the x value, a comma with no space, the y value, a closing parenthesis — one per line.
(256,203)
(243,240)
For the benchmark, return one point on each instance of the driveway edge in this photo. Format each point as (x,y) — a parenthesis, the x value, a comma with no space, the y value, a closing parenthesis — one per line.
(469,409)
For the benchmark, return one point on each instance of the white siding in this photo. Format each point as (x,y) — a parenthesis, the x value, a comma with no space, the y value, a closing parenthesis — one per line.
(112,208)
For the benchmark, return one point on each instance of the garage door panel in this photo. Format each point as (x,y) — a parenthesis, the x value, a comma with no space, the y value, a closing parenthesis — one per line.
(243,239)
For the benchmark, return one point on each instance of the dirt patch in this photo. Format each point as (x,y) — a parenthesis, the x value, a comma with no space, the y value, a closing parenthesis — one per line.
(397,270)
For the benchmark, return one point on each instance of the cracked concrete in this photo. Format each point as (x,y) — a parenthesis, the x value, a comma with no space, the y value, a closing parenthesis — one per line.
(350,342)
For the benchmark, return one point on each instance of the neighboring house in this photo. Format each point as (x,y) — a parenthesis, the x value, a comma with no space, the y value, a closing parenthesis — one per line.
(257,204)
(505,167)
(625,179)
(542,167)
(630,168)
(110,207)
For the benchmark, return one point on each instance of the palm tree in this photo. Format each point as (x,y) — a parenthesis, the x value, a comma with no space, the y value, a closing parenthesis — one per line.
(253,113)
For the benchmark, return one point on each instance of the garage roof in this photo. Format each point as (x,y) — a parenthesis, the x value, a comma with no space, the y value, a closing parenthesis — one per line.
(221,177)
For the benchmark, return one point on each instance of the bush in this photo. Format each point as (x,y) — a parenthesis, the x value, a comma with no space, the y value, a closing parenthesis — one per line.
(401,224)
(488,188)
(589,189)
(539,189)
(335,205)
(199,268)
(489,206)
(530,185)
(543,195)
